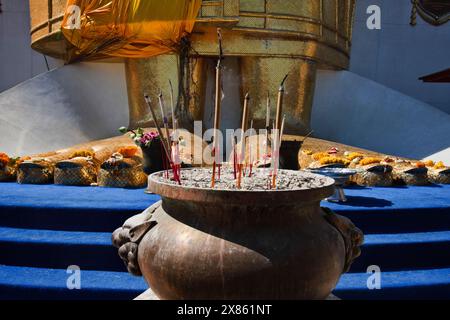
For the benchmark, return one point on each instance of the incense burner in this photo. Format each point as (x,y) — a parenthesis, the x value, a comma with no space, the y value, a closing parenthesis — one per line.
(341,177)
(201,243)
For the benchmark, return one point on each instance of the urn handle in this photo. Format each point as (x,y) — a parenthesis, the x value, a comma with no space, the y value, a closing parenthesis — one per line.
(139,231)
(353,236)
(128,237)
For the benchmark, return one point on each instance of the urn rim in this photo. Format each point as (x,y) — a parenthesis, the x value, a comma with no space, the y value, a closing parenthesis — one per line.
(241,197)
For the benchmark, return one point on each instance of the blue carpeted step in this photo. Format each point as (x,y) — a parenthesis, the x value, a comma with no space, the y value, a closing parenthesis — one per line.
(397,209)
(373,210)
(406,229)
(417,284)
(93,250)
(58,249)
(37,283)
(404,251)
(69,208)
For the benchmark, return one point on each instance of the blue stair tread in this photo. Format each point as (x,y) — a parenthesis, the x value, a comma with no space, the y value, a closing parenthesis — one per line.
(104,238)
(359,199)
(396,279)
(57,278)
(394,198)
(41,283)
(71,197)
(429,284)
(409,209)
(99,282)
(69,208)
(58,249)
(54,236)
(406,238)
(93,250)
(397,209)
(404,251)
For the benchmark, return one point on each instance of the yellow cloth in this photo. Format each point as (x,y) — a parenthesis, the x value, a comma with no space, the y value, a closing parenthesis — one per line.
(127,28)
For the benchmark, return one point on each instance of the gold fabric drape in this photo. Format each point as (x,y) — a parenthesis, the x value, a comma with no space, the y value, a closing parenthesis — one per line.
(127,28)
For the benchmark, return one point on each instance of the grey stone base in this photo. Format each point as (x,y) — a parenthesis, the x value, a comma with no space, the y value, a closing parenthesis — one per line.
(150,295)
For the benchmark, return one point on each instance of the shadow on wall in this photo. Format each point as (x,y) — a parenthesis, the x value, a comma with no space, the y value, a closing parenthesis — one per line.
(18,62)
(63,107)
(398,54)
(357,111)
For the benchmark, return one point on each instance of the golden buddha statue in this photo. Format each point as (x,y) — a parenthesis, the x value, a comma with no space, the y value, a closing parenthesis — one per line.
(266,38)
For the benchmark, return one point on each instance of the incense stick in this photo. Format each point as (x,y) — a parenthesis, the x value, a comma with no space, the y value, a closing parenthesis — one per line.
(250,150)
(280,103)
(172,105)
(308,135)
(176,161)
(158,128)
(177,149)
(234,157)
(275,149)
(267,128)
(217,107)
(277,153)
(165,120)
(244,129)
(281,131)
(274,155)
(268,111)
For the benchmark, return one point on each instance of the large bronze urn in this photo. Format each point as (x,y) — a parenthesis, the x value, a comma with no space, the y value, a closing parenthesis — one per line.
(217,244)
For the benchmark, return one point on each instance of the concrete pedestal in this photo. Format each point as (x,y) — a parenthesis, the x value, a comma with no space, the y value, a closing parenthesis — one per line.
(150,295)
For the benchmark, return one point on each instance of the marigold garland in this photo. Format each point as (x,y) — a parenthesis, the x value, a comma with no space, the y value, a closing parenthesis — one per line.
(370,160)
(334,160)
(128,152)
(439,165)
(319,155)
(4,159)
(352,156)
(82,153)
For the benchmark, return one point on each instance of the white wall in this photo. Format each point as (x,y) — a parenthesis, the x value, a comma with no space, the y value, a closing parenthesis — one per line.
(63,107)
(398,54)
(18,62)
(357,111)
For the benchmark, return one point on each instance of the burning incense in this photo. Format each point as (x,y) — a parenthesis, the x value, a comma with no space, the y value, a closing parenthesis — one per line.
(268,111)
(250,150)
(217,109)
(165,123)
(164,145)
(276,155)
(165,120)
(243,128)
(158,128)
(276,142)
(172,106)
(308,135)
(234,157)
(281,131)
(176,154)
(176,161)
(280,104)
(267,128)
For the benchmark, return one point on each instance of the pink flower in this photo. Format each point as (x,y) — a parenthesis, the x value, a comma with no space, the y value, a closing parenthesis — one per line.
(148,137)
